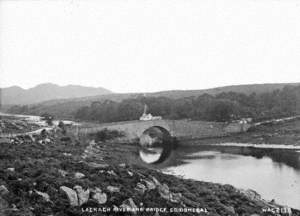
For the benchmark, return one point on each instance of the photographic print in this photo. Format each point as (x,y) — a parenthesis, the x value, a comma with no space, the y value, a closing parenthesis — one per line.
(148,107)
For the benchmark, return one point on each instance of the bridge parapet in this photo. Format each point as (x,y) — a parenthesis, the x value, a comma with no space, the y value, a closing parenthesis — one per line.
(131,129)
(181,129)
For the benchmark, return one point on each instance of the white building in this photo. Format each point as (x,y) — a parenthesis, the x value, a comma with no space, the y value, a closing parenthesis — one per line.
(148,117)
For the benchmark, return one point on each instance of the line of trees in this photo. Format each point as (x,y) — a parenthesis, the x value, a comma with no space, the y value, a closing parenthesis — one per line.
(221,107)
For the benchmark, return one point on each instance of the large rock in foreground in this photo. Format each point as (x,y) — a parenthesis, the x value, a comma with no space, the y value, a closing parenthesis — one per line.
(71,194)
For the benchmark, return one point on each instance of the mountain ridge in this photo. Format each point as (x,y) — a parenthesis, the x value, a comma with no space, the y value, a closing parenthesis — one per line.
(244,88)
(107,94)
(46,91)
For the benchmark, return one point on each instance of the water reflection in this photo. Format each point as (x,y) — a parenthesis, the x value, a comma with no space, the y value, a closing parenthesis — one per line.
(285,156)
(273,173)
(155,154)
(156,145)
(151,155)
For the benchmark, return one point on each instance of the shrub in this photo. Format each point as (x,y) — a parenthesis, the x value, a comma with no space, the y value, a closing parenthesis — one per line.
(106,134)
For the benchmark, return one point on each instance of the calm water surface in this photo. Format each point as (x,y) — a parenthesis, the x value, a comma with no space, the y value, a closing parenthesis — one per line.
(275,174)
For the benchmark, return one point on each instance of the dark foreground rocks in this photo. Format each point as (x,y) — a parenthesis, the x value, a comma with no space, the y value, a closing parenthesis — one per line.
(76,178)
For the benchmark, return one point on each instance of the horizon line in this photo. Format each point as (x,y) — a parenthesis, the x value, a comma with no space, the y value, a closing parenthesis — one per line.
(155,91)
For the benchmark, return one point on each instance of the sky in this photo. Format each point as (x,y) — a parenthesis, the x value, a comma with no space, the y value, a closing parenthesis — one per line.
(149,45)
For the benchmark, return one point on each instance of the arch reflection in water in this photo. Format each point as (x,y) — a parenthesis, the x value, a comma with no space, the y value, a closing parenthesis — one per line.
(156,145)
(151,155)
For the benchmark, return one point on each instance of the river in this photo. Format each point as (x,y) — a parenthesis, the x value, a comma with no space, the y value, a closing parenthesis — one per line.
(273,173)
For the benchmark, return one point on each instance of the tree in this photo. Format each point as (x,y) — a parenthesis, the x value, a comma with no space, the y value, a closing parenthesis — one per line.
(61,125)
(48,118)
(221,110)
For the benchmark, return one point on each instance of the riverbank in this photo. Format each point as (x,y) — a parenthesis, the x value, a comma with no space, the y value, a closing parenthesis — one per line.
(12,125)
(70,176)
(280,133)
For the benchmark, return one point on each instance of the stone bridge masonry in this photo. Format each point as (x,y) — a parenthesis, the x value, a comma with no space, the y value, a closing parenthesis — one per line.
(180,129)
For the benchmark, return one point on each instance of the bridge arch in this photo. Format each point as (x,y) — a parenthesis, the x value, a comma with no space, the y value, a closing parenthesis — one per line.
(156,144)
(155,135)
(143,126)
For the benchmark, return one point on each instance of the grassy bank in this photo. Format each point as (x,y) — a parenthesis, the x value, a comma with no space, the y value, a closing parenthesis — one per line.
(287,133)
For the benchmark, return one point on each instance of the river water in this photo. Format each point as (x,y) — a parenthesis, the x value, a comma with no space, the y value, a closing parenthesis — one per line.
(273,173)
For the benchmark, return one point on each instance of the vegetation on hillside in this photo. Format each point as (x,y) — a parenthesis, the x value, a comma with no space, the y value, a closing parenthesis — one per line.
(221,107)
(106,135)
(225,106)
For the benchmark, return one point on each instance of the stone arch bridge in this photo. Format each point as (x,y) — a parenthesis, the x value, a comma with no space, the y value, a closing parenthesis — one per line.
(181,129)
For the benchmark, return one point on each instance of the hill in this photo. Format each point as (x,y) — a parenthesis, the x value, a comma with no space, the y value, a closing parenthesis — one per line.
(44,92)
(65,108)
(244,89)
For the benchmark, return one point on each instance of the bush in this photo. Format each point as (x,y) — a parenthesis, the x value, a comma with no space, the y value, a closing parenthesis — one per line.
(106,134)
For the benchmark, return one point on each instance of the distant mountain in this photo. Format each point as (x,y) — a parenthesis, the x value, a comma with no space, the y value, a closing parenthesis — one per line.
(47,91)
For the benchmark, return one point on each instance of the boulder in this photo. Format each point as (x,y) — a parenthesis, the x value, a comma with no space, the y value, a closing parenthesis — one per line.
(111,172)
(130,205)
(122,165)
(176,197)
(67,154)
(83,195)
(63,173)
(79,175)
(113,189)
(47,140)
(130,173)
(230,209)
(251,194)
(100,197)
(140,188)
(3,190)
(71,194)
(11,169)
(150,184)
(155,181)
(164,191)
(45,196)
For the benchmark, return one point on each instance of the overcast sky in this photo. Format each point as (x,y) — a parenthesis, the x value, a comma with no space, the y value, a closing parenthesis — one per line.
(149,45)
